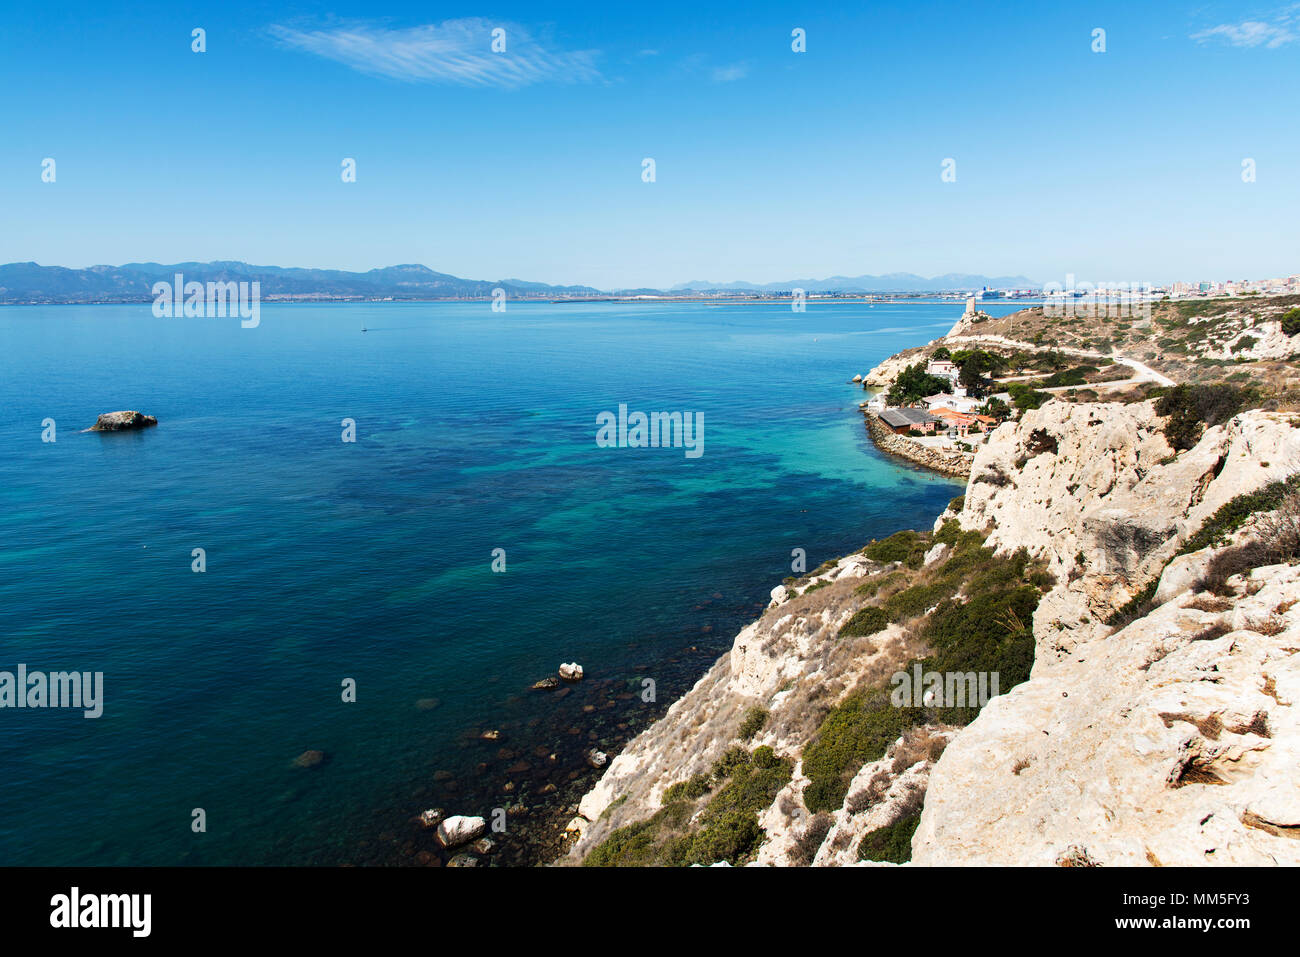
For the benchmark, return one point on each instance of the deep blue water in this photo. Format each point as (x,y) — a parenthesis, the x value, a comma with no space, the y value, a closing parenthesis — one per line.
(372,560)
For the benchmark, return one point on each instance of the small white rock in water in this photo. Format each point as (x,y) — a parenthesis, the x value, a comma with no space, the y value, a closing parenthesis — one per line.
(432,817)
(571,671)
(597,759)
(857,378)
(460,829)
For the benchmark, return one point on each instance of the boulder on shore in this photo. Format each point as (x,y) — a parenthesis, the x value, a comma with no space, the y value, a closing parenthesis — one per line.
(121,421)
(432,817)
(460,829)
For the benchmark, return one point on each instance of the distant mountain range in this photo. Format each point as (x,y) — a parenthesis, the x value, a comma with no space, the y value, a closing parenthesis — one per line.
(133,282)
(893,282)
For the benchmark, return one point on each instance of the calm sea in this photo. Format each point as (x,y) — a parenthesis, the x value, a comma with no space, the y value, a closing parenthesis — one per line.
(371,561)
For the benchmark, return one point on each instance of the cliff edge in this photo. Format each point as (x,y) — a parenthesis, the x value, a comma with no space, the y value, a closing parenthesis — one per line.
(1139,606)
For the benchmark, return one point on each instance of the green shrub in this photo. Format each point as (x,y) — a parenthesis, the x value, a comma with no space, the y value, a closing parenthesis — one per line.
(1067,377)
(629,846)
(1233,514)
(729,822)
(859,730)
(892,843)
(734,758)
(1190,409)
(867,621)
(688,790)
(725,830)
(913,601)
(875,583)
(1025,397)
(1291,322)
(899,547)
(914,383)
(755,718)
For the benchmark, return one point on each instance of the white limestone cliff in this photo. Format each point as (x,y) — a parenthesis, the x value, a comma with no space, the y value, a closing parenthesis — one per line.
(1173,740)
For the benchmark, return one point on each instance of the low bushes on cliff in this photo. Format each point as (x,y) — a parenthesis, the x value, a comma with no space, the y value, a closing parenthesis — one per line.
(1234,513)
(1291,322)
(892,843)
(906,546)
(1279,541)
(859,730)
(867,621)
(988,631)
(1191,409)
(755,718)
(726,829)
(1025,397)
(690,789)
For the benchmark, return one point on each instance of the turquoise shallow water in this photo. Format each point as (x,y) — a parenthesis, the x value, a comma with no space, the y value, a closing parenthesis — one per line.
(372,560)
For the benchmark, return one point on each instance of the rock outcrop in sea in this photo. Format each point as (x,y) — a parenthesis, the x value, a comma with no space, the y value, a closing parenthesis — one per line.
(122,421)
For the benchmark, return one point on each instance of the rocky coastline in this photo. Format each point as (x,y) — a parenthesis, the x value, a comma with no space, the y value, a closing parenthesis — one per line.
(954,462)
(1154,728)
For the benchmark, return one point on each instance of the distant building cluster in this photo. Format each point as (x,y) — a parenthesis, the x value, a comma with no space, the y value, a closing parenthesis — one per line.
(1289,285)
(1282,286)
(944,413)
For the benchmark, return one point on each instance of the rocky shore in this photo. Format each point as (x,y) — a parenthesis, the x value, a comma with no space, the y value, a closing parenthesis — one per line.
(1156,727)
(954,462)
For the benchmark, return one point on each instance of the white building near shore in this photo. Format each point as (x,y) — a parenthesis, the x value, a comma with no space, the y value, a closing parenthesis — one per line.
(957,400)
(944,369)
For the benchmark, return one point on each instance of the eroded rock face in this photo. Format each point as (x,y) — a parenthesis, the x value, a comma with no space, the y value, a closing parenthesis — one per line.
(1173,741)
(122,421)
(1098,480)
(883,375)
(1166,743)
(773,663)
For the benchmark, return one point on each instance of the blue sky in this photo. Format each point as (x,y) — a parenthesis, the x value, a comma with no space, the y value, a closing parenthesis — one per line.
(770,165)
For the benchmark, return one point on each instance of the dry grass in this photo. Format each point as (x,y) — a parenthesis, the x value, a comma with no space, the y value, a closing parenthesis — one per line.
(1272,625)
(1211,726)
(1216,630)
(918,744)
(810,839)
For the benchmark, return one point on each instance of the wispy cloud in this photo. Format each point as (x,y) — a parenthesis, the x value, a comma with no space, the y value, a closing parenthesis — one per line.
(454,51)
(1271,34)
(729,74)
